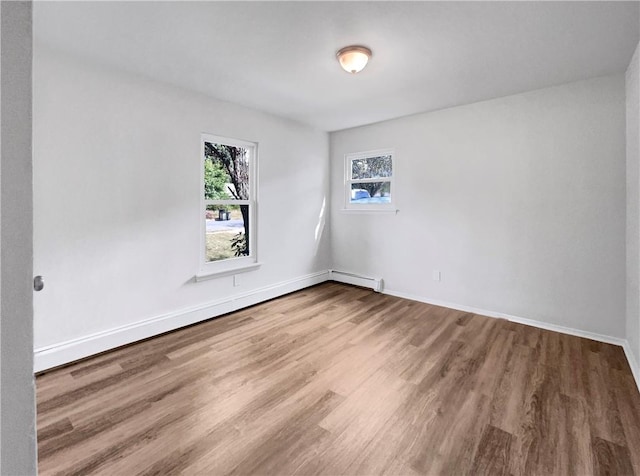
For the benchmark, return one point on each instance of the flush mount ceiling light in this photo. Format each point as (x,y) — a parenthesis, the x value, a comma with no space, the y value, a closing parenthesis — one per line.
(354,58)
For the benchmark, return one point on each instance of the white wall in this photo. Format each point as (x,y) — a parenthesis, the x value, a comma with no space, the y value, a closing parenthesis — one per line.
(633,204)
(17,392)
(117,197)
(518,201)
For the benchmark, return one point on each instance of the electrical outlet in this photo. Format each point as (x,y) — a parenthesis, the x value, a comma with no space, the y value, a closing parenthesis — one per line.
(436,275)
(236,280)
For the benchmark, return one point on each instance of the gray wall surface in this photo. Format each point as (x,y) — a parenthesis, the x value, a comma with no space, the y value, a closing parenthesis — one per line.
(17,396)
(633,204)
(137,261)
(519,202)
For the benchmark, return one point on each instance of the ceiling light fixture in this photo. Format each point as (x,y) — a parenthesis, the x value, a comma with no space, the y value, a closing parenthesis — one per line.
(354,58)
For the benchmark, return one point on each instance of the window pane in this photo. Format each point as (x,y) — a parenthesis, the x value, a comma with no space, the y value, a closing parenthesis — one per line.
(226,172)
(371,167)
(371,192)
(226,232)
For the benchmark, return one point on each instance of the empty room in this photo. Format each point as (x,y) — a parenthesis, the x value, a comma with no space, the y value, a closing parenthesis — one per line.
(339,238)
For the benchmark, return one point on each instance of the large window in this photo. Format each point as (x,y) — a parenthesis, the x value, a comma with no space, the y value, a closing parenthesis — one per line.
(369,180)
(229,205)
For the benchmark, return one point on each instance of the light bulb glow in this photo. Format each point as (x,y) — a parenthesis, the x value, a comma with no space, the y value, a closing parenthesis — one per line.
(353,59)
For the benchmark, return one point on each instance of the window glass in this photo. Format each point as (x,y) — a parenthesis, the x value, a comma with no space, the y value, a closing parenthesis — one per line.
(371,167)
(369,180)
(228,203)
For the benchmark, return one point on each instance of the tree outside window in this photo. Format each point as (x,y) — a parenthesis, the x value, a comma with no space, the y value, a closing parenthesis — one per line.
(228,201)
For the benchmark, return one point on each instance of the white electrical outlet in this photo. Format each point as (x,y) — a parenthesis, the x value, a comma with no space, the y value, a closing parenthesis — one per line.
(236,281)
(436,275)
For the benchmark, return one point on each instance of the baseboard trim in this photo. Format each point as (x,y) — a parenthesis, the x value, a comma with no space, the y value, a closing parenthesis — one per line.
(355,279)
(633,363)
(66,352)
(635,368)
(520,320)
(48,357)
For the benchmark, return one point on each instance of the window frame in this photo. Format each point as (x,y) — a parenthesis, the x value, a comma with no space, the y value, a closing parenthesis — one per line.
(348,181)
(234,265)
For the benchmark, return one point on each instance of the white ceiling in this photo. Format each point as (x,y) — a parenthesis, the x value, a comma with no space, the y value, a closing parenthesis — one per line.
(279,57)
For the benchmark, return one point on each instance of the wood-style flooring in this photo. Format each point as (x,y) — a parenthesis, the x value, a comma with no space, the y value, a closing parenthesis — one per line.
(336,380)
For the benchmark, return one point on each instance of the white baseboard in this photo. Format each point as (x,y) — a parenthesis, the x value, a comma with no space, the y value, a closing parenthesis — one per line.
(355,279)
(635,368)
(633,363)
(70,351)
(520,320)
(63,353)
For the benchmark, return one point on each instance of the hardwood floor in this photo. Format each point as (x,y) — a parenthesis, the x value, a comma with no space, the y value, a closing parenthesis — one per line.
(336,379)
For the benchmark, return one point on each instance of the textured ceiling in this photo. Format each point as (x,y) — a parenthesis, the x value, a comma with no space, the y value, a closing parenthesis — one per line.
(279,57)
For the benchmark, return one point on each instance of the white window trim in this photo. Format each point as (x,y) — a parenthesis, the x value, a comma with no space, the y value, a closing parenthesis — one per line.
(213,269)
(369,207)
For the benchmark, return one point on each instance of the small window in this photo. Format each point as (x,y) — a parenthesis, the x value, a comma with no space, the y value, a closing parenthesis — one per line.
(369,180)
(228,204)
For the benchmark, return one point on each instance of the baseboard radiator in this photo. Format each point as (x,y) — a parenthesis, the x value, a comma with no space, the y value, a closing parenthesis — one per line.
(356,279)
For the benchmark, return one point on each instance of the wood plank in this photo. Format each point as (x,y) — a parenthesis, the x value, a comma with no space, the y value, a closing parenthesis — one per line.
(337,379)
(493,453)
(610,459)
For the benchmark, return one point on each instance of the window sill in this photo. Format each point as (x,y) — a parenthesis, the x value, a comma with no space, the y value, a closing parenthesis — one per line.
(227,272)
(355,210)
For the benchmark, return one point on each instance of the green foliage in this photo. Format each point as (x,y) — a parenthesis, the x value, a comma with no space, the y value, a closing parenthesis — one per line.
(215,178)
(234,161)
(239,245)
